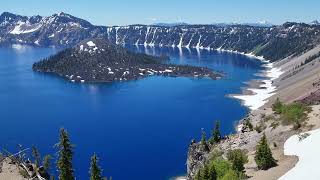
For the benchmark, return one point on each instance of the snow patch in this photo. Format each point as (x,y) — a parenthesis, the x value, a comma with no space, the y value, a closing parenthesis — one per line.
(91,44)
(267,89)
(23,28)
(307,150)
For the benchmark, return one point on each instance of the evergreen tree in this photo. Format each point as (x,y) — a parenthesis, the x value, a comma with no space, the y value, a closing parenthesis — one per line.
(205,173)
(213,173)
(216,136)
(204,144)
(203,137)
(65,156)
(95,171)
(47,162)
(238,158)
(263,155)
(198,176)
(36,156)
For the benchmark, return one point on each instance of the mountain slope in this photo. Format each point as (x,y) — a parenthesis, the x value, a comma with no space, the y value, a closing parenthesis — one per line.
(57,30)
(63,30)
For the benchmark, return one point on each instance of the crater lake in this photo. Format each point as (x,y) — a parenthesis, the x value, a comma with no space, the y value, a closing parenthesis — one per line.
(139,129)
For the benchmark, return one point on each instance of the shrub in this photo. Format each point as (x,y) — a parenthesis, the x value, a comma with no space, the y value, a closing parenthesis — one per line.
(295,113)
(277,106)
(248,124)
(260,127)
(230,175)
(274,125)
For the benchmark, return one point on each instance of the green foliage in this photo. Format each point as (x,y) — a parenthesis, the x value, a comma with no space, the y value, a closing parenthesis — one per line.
(260,127)
(219,169)
(238,158)
(230,175)
(274,125)
(263,155)
(203,137)
(95,170)
(204,144)
(47,162)
(294,113)
(36,156)
(216,136)
(65,153)
(267,118)
(24,173)
(215,154)
(222,166)
(206,173)
(247,124)
(277,106)
(198,175)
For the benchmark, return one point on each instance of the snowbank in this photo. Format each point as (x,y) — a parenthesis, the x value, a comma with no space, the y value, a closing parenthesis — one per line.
(181,178)
(259,96)
(308,152)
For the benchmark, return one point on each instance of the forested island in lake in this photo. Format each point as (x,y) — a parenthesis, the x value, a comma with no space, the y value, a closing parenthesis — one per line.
(97,60)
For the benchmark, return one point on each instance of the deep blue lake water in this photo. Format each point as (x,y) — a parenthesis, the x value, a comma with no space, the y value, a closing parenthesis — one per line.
(140,129)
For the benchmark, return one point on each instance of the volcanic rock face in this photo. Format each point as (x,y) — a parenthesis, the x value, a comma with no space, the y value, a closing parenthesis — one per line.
(97,60)
(64,30)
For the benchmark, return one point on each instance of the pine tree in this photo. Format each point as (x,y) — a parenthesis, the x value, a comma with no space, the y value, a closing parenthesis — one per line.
(216,136)
(198,176)
(95,171)
(238,158)
(204,144)
(36,156)
(263,155)
(213,173)
(65,156)
(203,137)
(205,173)
(47,162)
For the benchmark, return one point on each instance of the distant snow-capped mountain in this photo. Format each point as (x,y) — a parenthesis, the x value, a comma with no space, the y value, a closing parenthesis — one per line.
(171,24)
(257,24)
(56,30)
(64,30)
(315,22)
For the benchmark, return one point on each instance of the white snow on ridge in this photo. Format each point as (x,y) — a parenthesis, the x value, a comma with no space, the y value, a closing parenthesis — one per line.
(91,44)
(22,28)
(308,152)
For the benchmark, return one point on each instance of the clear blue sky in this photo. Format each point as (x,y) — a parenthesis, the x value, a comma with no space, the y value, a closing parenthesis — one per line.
(122,12)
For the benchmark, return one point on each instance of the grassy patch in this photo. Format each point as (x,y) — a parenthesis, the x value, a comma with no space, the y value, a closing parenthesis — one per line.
(24,173)
(292,114)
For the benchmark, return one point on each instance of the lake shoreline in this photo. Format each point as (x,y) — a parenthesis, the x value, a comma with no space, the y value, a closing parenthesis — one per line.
(280,81)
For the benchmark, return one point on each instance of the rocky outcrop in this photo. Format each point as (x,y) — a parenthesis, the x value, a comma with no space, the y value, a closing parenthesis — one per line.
(197,156)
